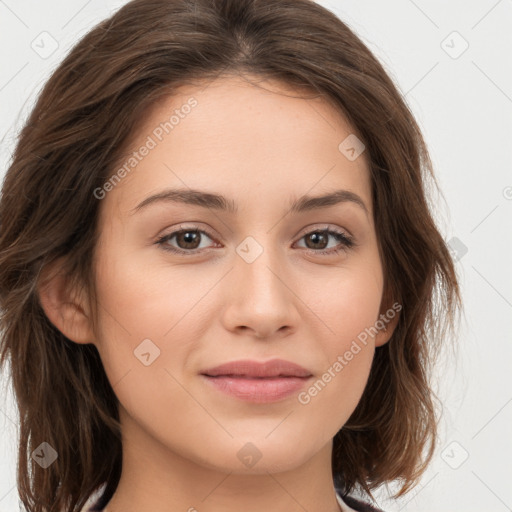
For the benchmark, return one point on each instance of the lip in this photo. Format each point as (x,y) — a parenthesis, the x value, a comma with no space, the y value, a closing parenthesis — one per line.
(251,369)
(258,382)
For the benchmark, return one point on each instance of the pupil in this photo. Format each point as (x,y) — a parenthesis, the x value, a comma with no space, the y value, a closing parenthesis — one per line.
(317,237)
(190,237)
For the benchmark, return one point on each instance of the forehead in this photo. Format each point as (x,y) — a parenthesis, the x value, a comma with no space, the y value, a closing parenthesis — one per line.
(242,139)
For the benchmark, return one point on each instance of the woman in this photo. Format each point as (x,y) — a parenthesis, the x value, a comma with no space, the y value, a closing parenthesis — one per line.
(220,280)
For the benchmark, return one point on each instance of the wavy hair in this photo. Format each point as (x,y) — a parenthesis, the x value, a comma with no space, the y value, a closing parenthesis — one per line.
(70,145)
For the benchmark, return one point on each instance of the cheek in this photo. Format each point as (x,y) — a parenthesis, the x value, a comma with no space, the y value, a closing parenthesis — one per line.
(334,394)
(348,303)
(349,307)
(149,313)
(144,309)
(141,299)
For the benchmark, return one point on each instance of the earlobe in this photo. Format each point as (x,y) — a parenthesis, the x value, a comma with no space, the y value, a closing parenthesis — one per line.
(384,335)
(65,307)
(387,326)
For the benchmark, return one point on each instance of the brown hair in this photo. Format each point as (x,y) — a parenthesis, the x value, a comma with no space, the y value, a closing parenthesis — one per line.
(69,146)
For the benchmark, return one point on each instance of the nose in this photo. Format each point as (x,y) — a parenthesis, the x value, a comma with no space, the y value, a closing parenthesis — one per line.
(260,297)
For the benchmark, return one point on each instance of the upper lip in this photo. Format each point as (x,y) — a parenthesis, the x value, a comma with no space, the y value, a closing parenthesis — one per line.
(249,368)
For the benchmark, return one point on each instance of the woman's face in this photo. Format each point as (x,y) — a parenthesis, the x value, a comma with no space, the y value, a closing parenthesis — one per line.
(253,279)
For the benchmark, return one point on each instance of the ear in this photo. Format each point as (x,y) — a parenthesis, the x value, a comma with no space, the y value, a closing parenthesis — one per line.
(387,321)
(66,308)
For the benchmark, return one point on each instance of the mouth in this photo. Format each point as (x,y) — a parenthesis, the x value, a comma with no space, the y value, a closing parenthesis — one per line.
(255,369)
(258,382)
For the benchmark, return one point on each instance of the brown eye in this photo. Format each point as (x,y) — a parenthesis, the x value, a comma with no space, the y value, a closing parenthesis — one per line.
(187,241)
(318,240)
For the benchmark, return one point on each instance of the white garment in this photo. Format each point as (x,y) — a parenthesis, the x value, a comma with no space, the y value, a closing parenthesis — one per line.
(343,506)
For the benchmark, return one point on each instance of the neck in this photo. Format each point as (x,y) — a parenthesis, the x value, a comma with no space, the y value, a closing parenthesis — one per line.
(155,478)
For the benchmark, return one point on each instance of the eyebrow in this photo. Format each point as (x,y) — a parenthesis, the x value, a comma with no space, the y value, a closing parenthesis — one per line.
(221,203)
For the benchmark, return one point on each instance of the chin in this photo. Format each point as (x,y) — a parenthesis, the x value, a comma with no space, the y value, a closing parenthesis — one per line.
(258,455)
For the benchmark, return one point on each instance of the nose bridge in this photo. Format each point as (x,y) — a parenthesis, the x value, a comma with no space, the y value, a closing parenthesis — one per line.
(258,262)
(262,297)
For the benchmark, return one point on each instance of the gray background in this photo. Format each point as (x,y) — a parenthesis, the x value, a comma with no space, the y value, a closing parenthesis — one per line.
(462,99)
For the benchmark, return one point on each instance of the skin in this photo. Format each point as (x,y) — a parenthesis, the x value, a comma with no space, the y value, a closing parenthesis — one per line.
(261,149)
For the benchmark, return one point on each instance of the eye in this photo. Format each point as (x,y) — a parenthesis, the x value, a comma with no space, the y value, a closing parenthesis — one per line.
(318,240)
(188,240)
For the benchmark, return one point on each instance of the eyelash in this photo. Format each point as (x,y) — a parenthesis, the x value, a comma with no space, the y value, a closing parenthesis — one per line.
(346,241)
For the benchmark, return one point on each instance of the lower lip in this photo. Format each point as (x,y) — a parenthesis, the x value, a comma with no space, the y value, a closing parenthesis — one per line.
(258,390)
